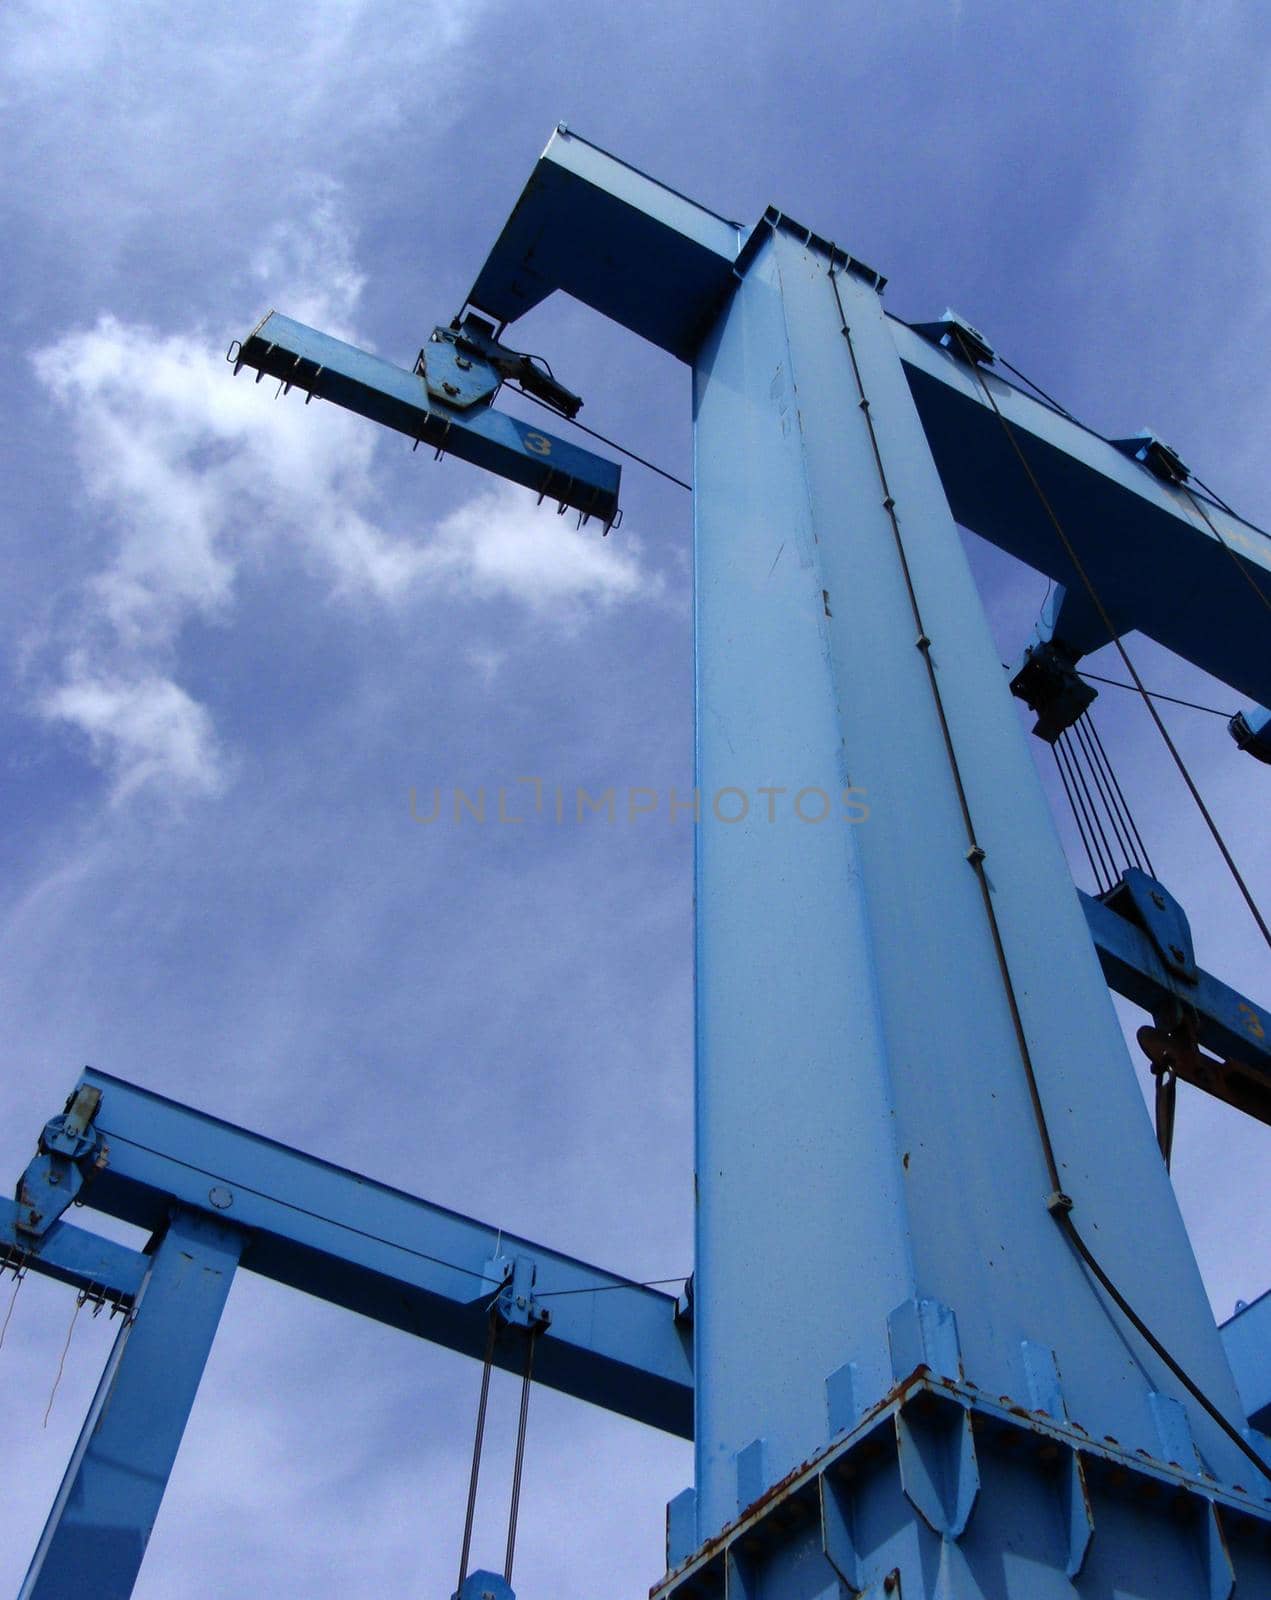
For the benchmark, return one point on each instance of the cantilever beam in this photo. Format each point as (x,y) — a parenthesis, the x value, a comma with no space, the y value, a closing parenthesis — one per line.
(403,1261)
(1233,1027)
(1155,562)
(329,369)
(598,229)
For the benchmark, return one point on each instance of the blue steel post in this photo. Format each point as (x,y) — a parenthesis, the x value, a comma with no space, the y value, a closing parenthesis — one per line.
(871,1179)
(97,1531)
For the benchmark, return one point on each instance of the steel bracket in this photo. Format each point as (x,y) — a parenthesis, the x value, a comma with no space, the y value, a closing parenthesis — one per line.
(70,1151)
(1149,904)
(1158,457)
(956,335)
(515,1305)
(921,1429)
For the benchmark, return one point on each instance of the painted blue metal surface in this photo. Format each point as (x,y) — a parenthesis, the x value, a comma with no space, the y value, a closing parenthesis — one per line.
(1156,563)
(1247,1339)
(907,1384)
(74,1256)
(856,1061)
(659,264)
(68,1151)
(97,1532)
(356,1243)
(302,358)
(615,239)
(1227,1022)
(484,1585)
(943,1490)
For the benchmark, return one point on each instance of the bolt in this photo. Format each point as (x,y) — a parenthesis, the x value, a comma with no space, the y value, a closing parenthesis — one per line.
(451,388)
(1176,952)
(1158,900)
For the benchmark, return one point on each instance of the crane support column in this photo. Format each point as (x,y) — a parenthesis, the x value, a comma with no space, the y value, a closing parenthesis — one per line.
(875,1256)
(97,1531)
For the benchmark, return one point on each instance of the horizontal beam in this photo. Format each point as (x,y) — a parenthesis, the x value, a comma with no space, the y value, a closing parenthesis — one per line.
(389,1255)
(614,238)
(1234,1028)
(329,369)
(1246,1338)
(74,1256)
(1154,561)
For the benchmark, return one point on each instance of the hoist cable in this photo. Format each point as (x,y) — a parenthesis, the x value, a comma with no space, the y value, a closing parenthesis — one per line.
(1072,806)
(1115,836)
(1079,568)
(1058,1203)
(519,1462)
(612,443)
(476,1455)
(1109,790)
(1098,839)
(1146,860)
(1156,694)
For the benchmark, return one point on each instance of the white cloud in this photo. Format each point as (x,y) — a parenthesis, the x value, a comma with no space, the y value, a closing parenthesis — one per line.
(145,731)
(501,545)
(195,478)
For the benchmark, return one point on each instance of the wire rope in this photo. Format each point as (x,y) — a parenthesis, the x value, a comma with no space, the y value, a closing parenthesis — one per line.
(1192,705)
(612,443)
(1079,567)
(477,1441)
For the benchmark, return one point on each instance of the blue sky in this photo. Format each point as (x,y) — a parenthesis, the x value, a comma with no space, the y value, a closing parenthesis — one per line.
(238,631)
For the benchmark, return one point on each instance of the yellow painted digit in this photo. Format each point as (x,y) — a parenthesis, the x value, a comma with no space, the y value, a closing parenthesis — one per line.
(539,443)
(1252,1020)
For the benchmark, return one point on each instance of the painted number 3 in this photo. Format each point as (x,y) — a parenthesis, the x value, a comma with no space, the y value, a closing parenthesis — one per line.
(539,443)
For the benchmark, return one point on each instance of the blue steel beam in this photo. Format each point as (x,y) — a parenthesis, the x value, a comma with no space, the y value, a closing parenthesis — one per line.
(1155,561)
(388,1255)
(302,358)
(873,1193)
(875,1076)
(100,1524)
(661,265)
(615,239)
(1247,1338)
(1233,1027)
(74,1256)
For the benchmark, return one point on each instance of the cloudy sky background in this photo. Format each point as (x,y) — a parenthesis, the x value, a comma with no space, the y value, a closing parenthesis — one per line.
(238,631)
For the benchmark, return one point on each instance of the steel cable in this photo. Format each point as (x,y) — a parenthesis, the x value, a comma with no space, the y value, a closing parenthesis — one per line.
(1115,639)
(514,1508)
(1059,1204)
(466,1549)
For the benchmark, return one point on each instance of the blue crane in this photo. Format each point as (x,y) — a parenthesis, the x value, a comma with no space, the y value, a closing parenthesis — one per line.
(945,1335)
